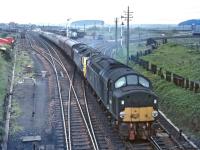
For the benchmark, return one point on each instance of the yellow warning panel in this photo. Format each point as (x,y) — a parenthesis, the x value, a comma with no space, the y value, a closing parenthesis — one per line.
(142,114)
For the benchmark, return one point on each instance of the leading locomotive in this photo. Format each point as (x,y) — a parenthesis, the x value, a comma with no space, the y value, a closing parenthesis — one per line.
(126,94)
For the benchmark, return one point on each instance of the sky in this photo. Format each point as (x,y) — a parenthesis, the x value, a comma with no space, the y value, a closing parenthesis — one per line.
(58,11)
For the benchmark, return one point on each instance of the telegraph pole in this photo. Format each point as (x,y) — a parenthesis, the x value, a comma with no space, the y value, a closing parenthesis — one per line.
(68,26)
(116,27)
(127,61)
(121,35)
(128,16)
(84,28)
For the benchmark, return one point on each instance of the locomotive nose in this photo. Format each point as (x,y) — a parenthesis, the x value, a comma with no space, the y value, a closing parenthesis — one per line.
(137,105)
(138,114)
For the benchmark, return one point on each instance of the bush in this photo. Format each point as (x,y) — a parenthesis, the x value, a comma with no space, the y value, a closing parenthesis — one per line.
(3,35)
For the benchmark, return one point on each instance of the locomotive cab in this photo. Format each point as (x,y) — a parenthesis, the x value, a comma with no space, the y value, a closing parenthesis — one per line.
(129,92)
(134,105)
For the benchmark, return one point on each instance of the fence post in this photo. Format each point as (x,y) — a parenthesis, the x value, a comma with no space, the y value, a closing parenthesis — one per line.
(191,85)
(196,87)
(168,76)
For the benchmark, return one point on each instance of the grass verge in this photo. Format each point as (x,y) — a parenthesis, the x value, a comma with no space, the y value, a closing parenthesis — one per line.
(4,75)
(16,112)
(177,59)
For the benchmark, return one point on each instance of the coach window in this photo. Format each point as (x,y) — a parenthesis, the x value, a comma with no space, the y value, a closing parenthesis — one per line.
(132,80)
(143,82)
(120,82)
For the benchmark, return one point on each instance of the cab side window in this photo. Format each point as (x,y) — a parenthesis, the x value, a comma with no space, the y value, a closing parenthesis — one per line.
(120,82)
(143,82)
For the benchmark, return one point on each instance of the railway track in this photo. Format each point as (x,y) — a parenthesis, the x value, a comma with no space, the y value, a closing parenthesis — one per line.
(141,145)
(76,132)
(107,136)
(58,97)
(163,140)
(176,134)
(81,129)
(160,141)
(79,132)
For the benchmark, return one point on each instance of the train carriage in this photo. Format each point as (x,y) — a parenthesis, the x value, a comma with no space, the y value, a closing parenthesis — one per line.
(64,46)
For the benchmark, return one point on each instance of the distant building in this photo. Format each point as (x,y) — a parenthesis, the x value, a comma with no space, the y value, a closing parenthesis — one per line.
(87,23)
(196,29)
(193,25)
(12,25)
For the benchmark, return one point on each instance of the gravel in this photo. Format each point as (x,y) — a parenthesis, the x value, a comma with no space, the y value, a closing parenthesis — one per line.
(33,100)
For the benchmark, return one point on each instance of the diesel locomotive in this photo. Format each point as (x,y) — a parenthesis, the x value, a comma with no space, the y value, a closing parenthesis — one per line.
(126,94)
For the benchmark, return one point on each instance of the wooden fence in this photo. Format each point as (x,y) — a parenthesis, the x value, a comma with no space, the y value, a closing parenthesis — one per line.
(165,74)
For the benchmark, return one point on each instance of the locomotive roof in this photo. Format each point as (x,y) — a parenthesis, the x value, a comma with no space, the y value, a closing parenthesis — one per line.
(109,68)
(81,47)
(69,42)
